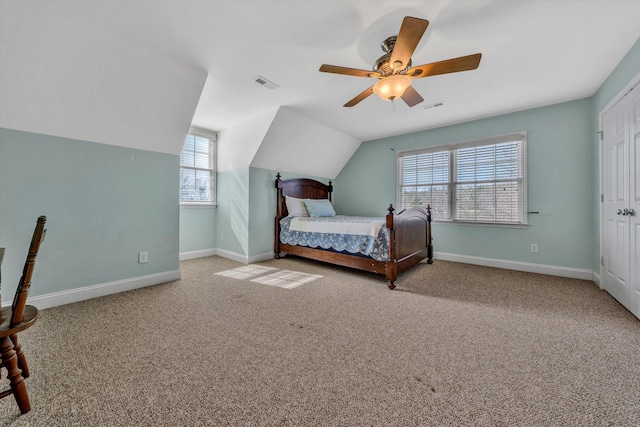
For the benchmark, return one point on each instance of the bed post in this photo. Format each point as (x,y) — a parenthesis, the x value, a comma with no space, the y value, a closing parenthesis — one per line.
(276,240)
(392,265)
(429,237)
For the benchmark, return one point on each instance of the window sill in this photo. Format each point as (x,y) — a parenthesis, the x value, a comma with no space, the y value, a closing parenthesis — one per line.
(198,205)
(481,224)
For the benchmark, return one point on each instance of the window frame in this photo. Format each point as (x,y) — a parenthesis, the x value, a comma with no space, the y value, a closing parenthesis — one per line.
(212,136)
(452,181)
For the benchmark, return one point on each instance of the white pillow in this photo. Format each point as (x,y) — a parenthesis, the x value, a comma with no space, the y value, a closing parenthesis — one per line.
(295,206)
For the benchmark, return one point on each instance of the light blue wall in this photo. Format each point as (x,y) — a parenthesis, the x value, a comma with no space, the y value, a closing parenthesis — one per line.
(197,228)
(626,70)
(262,205)
(560,186)
(104,204)
(232,218)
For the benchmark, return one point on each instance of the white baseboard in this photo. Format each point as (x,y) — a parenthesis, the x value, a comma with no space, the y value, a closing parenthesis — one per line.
(234,256)
(575,273)
(88,292)
(262,257)
(596,279)
(244,259)
(198,254)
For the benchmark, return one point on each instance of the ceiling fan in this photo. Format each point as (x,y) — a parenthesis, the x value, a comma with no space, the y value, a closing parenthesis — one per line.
(394,71)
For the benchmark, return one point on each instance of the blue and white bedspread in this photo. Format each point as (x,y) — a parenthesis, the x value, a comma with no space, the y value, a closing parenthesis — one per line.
(354,234)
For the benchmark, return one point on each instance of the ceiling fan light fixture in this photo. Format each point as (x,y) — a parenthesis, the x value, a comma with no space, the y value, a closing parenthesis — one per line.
(391,87)
(394,69)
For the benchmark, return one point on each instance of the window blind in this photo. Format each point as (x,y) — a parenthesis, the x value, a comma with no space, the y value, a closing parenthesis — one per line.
(488,183)
(425,181)
(474,181)
(197,169)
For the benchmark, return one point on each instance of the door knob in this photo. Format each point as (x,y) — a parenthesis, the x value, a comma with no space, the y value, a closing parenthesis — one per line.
(629,212)
(619,212)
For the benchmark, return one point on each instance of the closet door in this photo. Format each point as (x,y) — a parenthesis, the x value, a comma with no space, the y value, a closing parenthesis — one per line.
(621,200)
(634,187)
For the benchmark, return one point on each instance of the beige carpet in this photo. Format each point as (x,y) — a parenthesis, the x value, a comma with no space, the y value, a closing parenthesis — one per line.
(454,344)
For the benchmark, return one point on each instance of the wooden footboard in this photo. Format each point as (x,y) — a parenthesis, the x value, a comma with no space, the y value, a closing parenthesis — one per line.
(410,238)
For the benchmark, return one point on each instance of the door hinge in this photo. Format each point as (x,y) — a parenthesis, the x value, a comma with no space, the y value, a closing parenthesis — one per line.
(602,261)
(601,133)
(602,198)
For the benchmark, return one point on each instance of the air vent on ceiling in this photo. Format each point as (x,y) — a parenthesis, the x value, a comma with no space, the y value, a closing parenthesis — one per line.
(437,104)
(266,83)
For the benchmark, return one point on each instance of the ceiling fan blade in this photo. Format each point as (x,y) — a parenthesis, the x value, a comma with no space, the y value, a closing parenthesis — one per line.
(360,97)
(463,63)
(411,96)
(348,71)
(409,36)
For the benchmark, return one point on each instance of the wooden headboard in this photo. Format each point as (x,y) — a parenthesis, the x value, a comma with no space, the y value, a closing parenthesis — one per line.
(302,188)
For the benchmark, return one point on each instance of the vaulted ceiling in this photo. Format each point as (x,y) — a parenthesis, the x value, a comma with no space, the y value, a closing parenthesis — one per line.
(197,61)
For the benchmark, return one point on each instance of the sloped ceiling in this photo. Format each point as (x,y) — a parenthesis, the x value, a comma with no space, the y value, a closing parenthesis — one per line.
(62,76)
(297,144)
(238,144)
(285,141)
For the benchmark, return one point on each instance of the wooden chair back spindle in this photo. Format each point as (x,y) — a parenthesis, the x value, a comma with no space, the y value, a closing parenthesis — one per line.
(20,298)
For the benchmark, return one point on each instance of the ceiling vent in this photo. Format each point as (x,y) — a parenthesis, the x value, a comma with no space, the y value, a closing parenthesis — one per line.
(437,104)
(266,83)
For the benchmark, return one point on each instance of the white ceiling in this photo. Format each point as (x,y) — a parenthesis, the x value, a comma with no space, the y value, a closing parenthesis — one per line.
(535,53)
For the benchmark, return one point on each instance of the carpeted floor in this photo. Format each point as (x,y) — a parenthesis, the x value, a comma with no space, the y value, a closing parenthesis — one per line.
(453,345)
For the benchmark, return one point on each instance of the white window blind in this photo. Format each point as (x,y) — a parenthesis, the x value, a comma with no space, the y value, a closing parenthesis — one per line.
(479,181)
(197,168)
(425,181)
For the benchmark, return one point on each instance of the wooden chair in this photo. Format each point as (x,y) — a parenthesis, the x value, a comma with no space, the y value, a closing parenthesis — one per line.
(15,319)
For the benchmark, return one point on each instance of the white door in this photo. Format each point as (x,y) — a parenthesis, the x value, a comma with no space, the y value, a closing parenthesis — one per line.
(621,200)
(634,202)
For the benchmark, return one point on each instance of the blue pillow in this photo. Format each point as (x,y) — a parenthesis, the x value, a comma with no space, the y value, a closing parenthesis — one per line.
(319,208)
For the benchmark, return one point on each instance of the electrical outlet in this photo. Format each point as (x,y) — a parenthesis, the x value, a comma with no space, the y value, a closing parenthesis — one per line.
(143,257)
(534,248)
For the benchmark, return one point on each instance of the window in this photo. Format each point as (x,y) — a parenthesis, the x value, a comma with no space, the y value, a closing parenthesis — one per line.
(482,181)
(197,168)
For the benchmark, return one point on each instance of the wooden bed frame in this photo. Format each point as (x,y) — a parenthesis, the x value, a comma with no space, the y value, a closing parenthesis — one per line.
(410,238)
